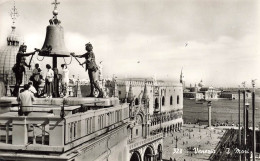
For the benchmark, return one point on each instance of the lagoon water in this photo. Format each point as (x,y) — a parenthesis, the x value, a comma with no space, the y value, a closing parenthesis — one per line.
(221,111)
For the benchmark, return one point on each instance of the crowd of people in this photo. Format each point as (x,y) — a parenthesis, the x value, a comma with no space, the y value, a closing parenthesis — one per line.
(38,77)
(26,96)
(53,78)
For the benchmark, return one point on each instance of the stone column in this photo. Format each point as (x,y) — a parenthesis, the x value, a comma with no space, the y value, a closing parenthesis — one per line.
(209,113)
(247,129)
(244,124)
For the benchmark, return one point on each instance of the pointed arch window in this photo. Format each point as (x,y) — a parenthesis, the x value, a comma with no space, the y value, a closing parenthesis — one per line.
(163,101)
(156,103)
(136,101)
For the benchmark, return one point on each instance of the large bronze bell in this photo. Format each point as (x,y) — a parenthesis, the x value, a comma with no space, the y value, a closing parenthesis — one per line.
(54,45)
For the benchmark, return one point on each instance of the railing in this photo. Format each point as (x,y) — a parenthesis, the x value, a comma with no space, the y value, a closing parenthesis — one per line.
(50,132)
(142,142)
(27,130)
(5,131)
(83,124)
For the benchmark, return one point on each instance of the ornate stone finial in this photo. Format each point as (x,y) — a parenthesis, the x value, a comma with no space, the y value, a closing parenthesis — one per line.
(253,83)
(244,84)
(181,76)
(130,97)
(55,3)
(14,14)
(145,94)
(55,12)
(13,39)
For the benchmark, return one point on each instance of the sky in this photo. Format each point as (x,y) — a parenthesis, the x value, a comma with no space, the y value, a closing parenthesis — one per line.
(216,41)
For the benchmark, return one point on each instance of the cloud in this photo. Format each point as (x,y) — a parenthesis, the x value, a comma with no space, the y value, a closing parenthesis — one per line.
(75,42)
(33,40)
(222,36)
(3,1)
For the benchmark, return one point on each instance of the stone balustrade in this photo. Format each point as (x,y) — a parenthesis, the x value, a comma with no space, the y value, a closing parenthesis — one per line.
(49,132)
(82,124)
(143,142)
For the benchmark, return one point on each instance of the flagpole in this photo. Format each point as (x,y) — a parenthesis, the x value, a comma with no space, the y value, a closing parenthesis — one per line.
(253,119)
(239,126)
(244,119)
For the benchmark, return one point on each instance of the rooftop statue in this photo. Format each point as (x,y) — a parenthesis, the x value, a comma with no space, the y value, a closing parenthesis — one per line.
(92,68)
(19,67)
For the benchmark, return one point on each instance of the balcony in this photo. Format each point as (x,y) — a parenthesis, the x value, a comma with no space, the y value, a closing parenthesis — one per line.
(138,143)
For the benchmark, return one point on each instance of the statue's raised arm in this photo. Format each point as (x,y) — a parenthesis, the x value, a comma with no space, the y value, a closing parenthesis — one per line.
(20,57)
(77,56)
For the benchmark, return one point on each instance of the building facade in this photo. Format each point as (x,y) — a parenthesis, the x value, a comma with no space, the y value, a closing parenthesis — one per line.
(165,103)
(193,95)
(90,129)
(234,95)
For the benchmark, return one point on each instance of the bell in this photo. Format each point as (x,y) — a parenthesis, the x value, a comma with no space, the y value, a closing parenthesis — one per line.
(54,45)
